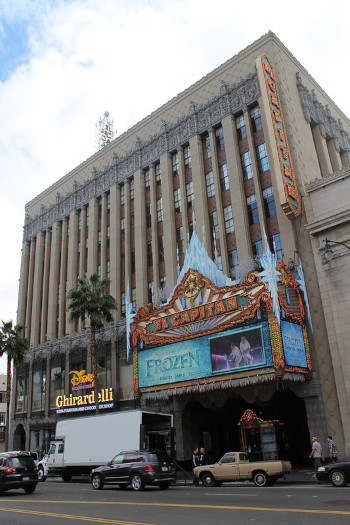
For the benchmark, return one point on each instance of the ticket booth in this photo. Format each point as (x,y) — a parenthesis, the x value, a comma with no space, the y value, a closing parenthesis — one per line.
(259,437)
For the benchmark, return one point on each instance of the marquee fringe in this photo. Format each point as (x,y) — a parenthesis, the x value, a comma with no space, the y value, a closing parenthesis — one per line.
(231,383)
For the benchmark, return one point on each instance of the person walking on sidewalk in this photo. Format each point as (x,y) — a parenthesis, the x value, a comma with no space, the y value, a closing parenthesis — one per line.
(317,453)
(195,463)
(333,450)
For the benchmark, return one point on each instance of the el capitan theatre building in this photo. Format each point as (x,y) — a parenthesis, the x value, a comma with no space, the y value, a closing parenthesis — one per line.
(229,361)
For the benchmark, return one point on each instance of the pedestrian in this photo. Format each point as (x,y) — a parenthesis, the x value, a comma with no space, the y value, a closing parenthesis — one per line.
(195,463)
(203,457)
(317,453)
(333,450)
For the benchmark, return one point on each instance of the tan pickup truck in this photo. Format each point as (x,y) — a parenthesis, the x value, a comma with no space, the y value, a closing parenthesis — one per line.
(234,466)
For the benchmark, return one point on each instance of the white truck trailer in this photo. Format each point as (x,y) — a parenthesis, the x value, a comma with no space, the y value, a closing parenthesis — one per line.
(84,443)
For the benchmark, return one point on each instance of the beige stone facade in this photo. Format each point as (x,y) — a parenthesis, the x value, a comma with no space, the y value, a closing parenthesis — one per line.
(127,213)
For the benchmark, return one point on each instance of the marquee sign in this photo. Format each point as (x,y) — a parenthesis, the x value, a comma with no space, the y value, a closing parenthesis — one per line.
(85,402)
(284,172)
(208,334)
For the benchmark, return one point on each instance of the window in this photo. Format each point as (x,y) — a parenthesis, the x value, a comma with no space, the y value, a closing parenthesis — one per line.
(263,161)
(161,248)
(159,210)
(255,116)
(2,418)
(103,359)
(233,259)
(269,202)
(99,271)
(177,200)
(241,129)
(247,165)
(276,245)
(99,237)
(206,147)
(39,387)
(122,195)
(214,224)
(108,234)
(150,292)
(210,184)
(162,282)
(87,215)
(187,157)
(147,179)
(180,240)
(190,194)
(132,261)
(57,380)
(148,216)
(149,254)
(133,297)
(218,262)
(108,269)
(219,134)
(80,220)
(122,266)
(122,228)
(108,201)
(132,189)
(132,224)
(253,212)
(228,217)
(158,174)
(175,163)
(123,304)
(22,391)
(224,177)
(258,248)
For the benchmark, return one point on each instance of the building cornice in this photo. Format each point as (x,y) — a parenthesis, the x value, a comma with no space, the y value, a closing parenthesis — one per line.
(172,136)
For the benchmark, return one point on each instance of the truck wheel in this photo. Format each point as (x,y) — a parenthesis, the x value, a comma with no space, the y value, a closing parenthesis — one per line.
(260,478)
(96,482)
(208,479)
(137,482)
(338,478)
(41,475)
(66,476)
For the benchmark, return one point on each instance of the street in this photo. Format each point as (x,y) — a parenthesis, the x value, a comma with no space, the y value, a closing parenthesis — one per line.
(56,502)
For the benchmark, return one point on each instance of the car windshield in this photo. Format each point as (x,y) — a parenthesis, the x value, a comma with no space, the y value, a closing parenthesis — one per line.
(20,461)
(159,456)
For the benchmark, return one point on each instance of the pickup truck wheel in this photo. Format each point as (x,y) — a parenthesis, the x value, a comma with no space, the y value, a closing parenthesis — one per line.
(96,482)
(137,482)
(41,475)
(260,479)
(208,479)
(338,478)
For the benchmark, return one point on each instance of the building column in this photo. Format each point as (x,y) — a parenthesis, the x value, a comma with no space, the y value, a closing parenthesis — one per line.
(200,192)
(82,261)
(168,221)
(23,284)
(93,237)
(53,284)
(104,236)
(334,156)
(183,192)
(140,240)
(28,320)
(127,239)
(72,262)
(219,205)
(37,290)
(43,333)
(63,279)
(322,151)
(115,248)
(154,230)
(235,175)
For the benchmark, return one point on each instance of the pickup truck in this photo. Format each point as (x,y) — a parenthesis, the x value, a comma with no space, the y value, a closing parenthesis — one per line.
(235,466)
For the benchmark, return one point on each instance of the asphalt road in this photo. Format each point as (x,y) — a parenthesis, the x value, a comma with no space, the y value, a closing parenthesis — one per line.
(59,503)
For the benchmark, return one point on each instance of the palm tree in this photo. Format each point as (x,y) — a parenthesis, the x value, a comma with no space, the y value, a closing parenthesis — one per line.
(15,346)
(89,300)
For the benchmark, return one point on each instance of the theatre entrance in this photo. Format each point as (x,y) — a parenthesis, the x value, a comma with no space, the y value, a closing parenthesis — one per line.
(280,429)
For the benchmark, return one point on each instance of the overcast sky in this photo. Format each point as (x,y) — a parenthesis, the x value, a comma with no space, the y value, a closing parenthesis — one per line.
(64,62)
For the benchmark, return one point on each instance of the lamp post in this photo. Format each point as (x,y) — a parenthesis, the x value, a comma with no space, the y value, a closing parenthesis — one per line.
(328,253)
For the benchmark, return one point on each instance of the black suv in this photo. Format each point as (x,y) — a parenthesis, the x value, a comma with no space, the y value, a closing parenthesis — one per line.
(18,471)
(136,468)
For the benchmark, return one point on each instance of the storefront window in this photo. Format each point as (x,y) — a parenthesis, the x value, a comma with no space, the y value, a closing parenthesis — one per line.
(39,387)
(104,366)
(40,440)
(21,391)
(57,381)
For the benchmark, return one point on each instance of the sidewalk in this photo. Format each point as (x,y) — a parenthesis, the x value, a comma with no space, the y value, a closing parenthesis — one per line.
(300,475)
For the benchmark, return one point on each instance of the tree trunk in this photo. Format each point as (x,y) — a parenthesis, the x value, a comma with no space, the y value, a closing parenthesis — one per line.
(8,401)
(94,362)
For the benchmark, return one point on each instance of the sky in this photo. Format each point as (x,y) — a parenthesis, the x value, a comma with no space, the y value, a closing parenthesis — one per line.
(64,62)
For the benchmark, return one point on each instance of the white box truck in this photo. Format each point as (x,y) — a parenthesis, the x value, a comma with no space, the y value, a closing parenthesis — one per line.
(84,443)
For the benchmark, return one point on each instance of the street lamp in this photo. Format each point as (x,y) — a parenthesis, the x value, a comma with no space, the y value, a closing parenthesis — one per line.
(328,253)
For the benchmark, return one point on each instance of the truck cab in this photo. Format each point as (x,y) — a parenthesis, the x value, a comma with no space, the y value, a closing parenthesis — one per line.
(52,461)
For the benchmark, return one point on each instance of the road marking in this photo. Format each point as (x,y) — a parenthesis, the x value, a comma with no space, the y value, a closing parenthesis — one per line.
(231,494)
(182,505)
(73,516)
